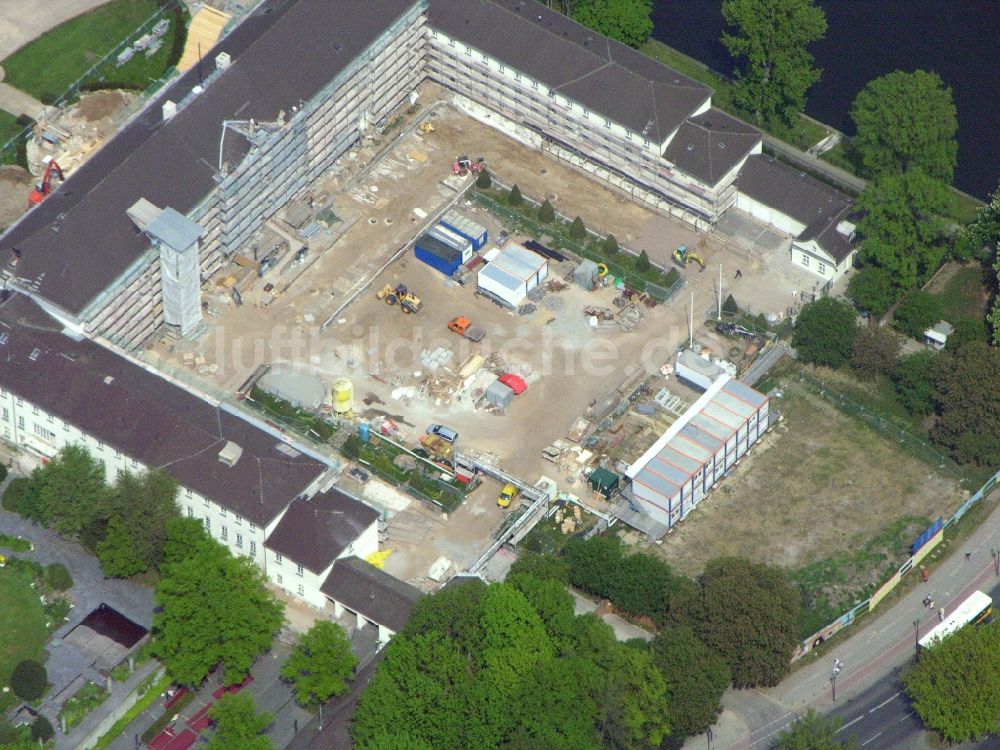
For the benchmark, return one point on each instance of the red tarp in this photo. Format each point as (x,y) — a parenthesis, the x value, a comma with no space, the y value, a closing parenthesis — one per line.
(514,382)
(200,721)
(161,740)
(232,688)
(182,741)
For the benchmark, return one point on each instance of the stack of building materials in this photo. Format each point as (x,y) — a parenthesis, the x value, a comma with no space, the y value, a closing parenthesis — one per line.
(433,360)
(512,274)
(467,228)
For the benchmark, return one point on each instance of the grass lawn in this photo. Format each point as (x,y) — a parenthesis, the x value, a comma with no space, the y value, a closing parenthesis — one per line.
(8,126)
(86,699)
(23,634)
(964,294)
(824,496)
(46,67)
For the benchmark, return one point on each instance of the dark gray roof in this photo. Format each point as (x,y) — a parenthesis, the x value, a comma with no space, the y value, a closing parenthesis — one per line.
(371,592)
(710,145)
(316,532)
(807,200)
(789,190)
(606,76)
(147,418)
(79,240)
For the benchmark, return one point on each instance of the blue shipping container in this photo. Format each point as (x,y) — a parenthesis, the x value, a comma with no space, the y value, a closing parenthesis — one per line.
(444,266)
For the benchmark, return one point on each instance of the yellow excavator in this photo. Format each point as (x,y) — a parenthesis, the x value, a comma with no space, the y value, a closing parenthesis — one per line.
(408,302)
(683,256)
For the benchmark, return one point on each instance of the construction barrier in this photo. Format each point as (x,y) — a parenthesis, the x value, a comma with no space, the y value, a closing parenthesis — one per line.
(875,599)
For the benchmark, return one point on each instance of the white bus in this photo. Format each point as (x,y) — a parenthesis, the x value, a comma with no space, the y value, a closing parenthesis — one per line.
(973,610)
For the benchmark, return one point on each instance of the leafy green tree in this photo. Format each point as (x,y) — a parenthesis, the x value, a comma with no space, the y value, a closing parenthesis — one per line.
(71,489)
(515,198)
(577,231)
(825,331)
(642,263)
(628,21)
(540,566)
(906,121)
(696,679)
(876,352)
(902,230)
(917,312)
(142,505)
(546,214)
(399,739)
(914,379)
(872,290)
(557,709)
(595,564)
(644,587)
(185,537)
(686,605)
(41,730)
(552,602)
(320,664)
(750,618)
(634,708)
(955,687)
(966,330)
(117,552)
(218,602)
(238,726)
(814,732)
(21,496)
(730,306)
(771,39)
(969,422)
(28,680)
(981,238)
(610,246)
(484,181)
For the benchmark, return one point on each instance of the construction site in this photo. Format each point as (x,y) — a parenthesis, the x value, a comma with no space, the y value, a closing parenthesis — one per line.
(313,293)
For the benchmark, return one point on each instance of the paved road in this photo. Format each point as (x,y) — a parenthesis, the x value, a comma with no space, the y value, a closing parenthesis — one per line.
(881,718)
(753,718)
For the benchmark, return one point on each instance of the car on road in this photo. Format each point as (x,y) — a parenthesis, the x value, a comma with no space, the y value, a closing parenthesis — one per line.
(445,433)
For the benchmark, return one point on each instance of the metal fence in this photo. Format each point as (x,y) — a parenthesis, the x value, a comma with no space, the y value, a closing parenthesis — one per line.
(912,444)
(99,73)
(880,593)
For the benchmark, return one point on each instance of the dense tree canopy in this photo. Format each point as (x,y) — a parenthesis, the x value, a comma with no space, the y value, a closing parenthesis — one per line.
(238,726)
(872,290)
(955,685)
(906,121)
(914,379)
(981,238)
(70,490)
(627,21)
(917,311)
(141,504)
(876,352)
(902,230)
(750,618)
(216,601)
(696,679)
(814,732)
(320,664)
(825,331)
(771,40)
(509,666)
(969,422)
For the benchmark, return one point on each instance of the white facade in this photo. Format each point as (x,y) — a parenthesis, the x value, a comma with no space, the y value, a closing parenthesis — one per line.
(299,581)
(769,215)
(813,258)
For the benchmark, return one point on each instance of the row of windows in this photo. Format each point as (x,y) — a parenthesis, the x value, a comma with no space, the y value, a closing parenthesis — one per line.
(224,533)
(281,582)
(278,559)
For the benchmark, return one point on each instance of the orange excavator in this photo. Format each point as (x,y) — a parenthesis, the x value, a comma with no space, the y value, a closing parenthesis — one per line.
(43,188)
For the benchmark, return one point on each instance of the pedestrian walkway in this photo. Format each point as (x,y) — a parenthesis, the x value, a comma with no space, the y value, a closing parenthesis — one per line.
(752,718)
(17,103)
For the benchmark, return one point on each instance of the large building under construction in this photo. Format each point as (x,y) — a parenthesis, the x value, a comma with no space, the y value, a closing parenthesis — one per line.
(122,246)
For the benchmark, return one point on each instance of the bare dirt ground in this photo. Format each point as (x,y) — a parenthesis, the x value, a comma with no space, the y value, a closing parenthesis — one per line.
(570,366)
(820,482)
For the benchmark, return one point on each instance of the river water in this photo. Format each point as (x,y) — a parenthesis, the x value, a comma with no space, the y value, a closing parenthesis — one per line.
(958,39)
